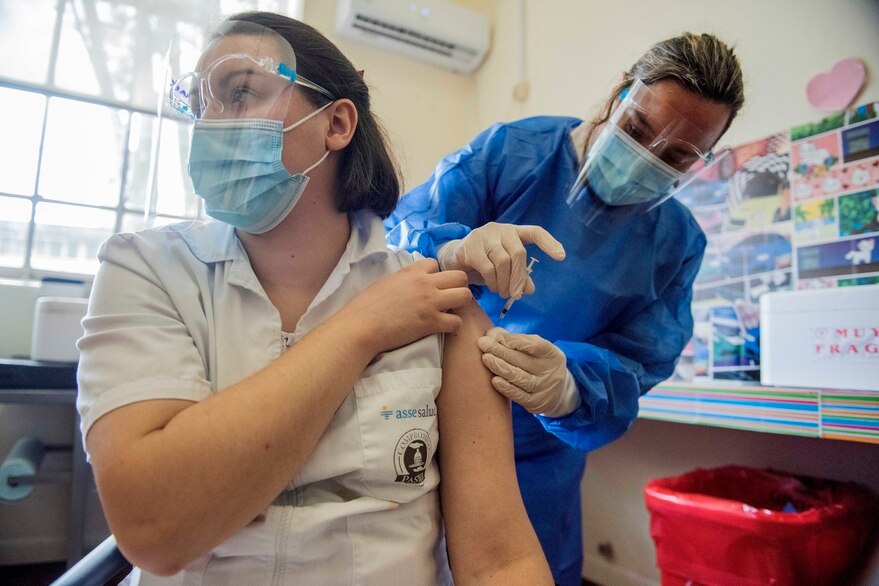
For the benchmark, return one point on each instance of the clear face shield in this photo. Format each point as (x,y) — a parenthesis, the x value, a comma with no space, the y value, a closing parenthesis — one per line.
(639,159)
(233,105)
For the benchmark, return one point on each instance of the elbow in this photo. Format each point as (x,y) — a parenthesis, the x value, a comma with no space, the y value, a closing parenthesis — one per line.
(152,533)
(153,550)
(527,570)
(161,569)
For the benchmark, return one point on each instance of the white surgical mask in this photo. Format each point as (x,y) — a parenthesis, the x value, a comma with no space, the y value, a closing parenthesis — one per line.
(237,169)
(625,173)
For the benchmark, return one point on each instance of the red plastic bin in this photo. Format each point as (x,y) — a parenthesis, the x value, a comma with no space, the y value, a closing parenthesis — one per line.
(745,526)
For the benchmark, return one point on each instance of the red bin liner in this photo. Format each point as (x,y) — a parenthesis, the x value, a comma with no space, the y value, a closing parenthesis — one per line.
(742,526)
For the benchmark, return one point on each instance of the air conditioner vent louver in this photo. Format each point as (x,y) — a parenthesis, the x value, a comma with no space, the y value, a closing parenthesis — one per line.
(436,31)
(409,36)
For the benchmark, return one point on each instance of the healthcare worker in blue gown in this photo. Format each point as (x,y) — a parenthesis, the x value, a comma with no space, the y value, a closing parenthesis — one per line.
(610,320)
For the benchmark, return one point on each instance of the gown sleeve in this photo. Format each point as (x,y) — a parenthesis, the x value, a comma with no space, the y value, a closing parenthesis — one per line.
(614,368)
(455,199)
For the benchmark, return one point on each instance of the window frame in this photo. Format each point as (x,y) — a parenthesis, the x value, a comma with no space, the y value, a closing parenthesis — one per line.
(49,91)
(27,271)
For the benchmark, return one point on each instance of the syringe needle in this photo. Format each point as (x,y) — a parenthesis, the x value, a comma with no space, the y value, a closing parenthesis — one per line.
(513,298)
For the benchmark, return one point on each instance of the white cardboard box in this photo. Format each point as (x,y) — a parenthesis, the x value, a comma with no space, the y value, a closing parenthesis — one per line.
(57,327)
(827,338)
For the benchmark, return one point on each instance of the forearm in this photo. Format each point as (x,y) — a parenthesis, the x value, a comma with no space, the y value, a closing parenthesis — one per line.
(174,489)
(490,539)
(497,544)
(527,570)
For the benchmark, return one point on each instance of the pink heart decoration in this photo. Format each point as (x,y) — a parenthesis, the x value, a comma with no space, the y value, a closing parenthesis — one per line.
(835,91)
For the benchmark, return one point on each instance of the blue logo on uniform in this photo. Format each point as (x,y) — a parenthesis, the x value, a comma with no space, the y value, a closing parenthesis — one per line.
(425,411)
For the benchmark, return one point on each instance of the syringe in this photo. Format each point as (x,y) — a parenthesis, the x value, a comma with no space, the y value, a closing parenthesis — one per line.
(512,299)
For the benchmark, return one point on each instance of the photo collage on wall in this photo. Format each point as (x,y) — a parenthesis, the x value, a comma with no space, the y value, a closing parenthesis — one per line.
(795,210)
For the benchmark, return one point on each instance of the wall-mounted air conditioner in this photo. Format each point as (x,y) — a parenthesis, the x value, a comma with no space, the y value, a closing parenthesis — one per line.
(436,31)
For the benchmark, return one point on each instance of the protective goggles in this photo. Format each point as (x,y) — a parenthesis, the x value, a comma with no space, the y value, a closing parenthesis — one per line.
(661,129)
(238,96)
(638,160)
(249,71)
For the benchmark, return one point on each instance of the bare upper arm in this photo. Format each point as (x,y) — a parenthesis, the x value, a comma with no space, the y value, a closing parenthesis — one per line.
(468,404)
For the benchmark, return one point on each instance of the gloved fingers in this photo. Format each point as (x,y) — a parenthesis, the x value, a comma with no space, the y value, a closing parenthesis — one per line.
(512,392)
(475,256)
(528,343)
(497,365)
(543,239)
(496,331)
(447,255)
(515,275)
(501,261)
(490,339)
(529,287)
(513,374)
(514,358)
(499,337)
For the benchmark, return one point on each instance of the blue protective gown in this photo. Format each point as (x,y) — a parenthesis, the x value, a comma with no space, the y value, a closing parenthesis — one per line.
(618,306)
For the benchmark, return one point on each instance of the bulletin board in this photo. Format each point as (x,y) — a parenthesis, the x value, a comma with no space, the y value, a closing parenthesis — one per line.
(794,210)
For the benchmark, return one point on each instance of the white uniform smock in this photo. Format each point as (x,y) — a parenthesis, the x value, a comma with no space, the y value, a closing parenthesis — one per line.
(178,313)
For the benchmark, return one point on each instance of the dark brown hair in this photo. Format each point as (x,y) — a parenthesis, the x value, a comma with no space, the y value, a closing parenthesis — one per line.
(368,176)
(701,63)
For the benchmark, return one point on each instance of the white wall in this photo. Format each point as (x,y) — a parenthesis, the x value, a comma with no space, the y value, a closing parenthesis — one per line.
(575,51)
(427,111)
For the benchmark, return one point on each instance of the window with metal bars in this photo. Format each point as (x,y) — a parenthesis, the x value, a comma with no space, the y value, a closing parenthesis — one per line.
(78,103)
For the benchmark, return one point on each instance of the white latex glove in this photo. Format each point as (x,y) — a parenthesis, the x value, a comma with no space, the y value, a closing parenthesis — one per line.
(494,255)
(530,371)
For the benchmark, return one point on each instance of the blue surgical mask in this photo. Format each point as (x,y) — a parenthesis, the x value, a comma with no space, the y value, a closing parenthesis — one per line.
(622,172)
(236,168)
